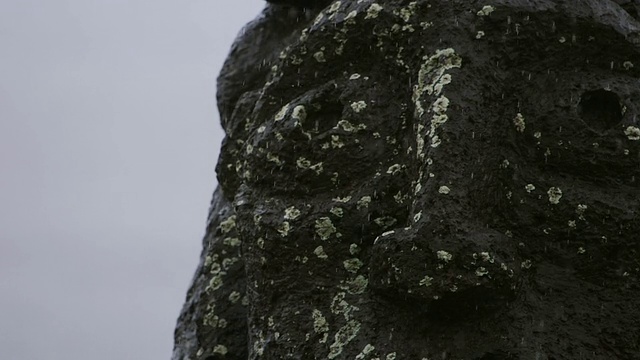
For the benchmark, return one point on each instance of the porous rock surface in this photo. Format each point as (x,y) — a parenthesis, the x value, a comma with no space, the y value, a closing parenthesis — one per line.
(431,179)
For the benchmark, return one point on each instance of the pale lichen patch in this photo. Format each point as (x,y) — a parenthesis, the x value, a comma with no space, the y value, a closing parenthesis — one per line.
(345,199)
(304,35)
(320,324)
(352,265)
(317,168)
(633,133)
(408,11)
(426,281)
(232,241)
(358,106)
(334,7)
(554,194)
(346,126)
(291,213)
(519,123)
(228,262)
(319,251)
(318,19)
(319,56)
(299,113)
(234,297)
(216,282)
(432,78)
(324,228)
(385,221)
(336,142)
(350,18)
(343,337)
(486,257)
(486,10)
(357,285)
(259,344)
(580,209)
(282,112)
(273,158)
(481,271)
(354,249)
(228,224)
(337,211)
(373,11)
(220,349)
(363,202)
(394,169)
(444,256)
(303,163)
(284,229)
(368,349)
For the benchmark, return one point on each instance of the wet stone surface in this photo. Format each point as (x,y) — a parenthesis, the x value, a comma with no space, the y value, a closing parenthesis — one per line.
(425,180)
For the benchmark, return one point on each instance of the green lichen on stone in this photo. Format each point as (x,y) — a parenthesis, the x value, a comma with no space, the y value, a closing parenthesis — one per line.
(353,265)
(486,10)
(554,194)
(324,228)
(291,213)
(228,224)
(343,337)
(220,349)
(519,122)
(357,285)
(368,349)
(232,241)
(373,11)
(337,211)
(363,202)
(320,324)
(319,251)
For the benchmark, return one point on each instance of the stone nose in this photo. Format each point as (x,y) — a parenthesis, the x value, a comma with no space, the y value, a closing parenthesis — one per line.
(470,270)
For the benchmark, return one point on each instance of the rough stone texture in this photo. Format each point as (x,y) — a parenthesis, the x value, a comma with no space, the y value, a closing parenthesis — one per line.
(431,179)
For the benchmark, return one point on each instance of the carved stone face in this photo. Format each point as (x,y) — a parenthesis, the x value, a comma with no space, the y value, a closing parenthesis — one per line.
(443,180)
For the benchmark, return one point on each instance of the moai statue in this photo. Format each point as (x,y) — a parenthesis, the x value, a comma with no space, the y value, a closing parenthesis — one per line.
(430,179)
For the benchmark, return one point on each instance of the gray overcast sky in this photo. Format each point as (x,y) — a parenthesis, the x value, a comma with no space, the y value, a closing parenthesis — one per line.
(109,137)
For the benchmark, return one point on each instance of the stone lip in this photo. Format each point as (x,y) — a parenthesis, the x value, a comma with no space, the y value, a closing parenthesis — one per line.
(425,179)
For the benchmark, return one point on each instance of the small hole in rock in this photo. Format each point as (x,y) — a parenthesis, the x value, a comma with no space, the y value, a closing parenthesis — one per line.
(600,109)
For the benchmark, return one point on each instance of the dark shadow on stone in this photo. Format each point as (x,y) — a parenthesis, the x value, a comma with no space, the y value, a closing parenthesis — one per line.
(600,109)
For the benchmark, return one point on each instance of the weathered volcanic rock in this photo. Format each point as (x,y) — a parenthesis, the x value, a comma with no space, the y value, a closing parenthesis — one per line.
(431,179)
